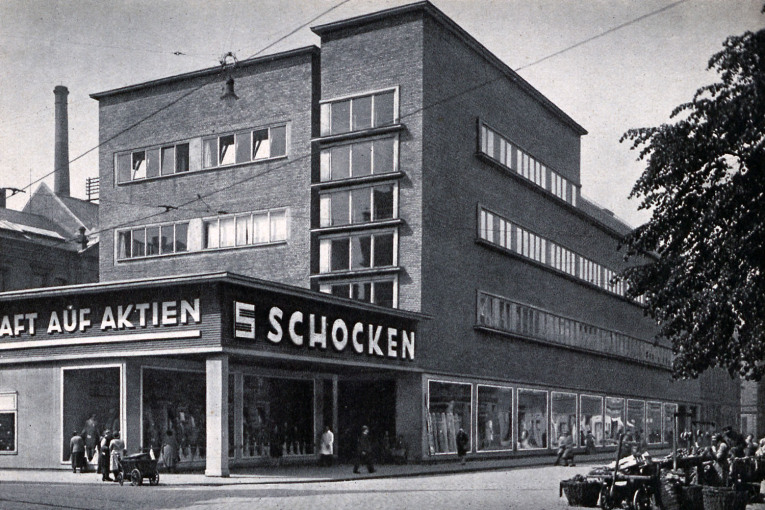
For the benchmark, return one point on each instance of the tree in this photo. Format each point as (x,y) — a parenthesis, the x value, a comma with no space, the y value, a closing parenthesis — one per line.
(701,255)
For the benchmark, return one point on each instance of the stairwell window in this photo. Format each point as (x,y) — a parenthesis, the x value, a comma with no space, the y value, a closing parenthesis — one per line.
(366,111)
(357,252)
(359,205)
(359,159)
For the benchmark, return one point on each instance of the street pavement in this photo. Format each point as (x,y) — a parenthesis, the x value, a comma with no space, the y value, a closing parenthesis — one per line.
(478,485)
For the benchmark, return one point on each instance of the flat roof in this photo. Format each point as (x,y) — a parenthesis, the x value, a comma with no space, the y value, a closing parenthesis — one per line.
(472,42)
(205,72)
(201,278)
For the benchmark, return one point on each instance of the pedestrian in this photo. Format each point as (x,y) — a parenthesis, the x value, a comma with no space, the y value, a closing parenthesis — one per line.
(326,447)
(364,451)
(116,452)
(170,452)
(103,455)
(77,451)
(720,453)
(589,443)
(565,449)
(463,443)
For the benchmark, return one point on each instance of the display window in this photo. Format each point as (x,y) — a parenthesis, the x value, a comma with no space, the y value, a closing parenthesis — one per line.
(277,417)
(174,407)
(562,417)
(8,410)
(653,422)
(495,418)
(449,410)
(532,419)
(91,406)
(635,421)
(614,420)
(669,422)
(591,431)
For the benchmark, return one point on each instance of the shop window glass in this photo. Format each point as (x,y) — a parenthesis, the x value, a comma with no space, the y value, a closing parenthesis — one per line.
(495,418)
(449,407)
(277,417)
(653,422)
(591,420)
(635,420)
(562,417)
(91,405)
(614,420)
(174,402)
(669,422)
(532,419)
(8,410)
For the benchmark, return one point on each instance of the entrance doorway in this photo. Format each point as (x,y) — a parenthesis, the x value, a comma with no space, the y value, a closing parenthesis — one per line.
(371,403)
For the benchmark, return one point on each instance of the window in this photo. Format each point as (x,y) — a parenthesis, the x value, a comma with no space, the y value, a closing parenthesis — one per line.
(360,205)
(635,420)
(495,418)
(358,113)
(519,161)
(377,291)
(614,420)
(153,240)
(244,146)
(590,420)
(149,163)
(532,419)
(8,420)
(245,229)
(91,404)
(653,422)
(562,417)
(358,159)
(449,406)
(669,422)
(362,251)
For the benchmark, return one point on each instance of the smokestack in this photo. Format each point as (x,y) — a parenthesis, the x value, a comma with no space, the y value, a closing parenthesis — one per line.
(61,160)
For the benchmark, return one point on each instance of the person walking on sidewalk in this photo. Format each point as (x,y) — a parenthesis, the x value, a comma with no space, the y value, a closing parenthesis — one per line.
(116,452)
(364,451)
(103,455)
(77,449)
(462,445)
(565,449)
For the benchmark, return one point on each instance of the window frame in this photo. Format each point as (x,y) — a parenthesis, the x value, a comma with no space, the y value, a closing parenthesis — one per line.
(250,133)
(13,411)
(326,287)
(160,170)
(518,392)
(552,438)
(325,254)
(325,111)
(325,159)
(269,213)
(470,410)
(325,197)
(602,411)
(160,226)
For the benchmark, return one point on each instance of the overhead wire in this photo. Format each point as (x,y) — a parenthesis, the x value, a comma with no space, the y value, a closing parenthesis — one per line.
(309,154)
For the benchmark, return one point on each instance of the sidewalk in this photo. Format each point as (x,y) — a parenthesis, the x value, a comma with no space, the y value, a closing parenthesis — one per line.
(302,473)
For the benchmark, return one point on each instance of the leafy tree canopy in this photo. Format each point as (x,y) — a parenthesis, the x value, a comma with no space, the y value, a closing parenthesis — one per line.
(704,181)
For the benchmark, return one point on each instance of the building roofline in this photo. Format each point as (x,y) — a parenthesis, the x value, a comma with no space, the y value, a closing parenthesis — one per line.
(313,50)
(428,8)
(199,278)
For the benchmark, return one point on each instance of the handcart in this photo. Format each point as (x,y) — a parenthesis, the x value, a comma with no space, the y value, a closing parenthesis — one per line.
(135,468)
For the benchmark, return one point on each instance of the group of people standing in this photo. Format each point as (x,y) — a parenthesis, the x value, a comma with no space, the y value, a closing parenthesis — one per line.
(110,449)
(727,446)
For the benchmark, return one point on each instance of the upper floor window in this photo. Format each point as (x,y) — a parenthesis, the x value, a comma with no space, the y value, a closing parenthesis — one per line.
(144,164)
(516,159)
(380,291)
(359,159)
(245,229)
(358,205)
(244,146)
(151,240)
(359,113)
(357,252)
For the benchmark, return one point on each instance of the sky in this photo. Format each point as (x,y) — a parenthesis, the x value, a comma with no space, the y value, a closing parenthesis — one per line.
(630,77)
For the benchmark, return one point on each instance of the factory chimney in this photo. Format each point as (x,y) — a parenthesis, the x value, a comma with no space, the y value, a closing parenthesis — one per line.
(61,160)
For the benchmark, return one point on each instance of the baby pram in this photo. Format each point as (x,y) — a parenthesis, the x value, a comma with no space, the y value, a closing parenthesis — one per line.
(134,468)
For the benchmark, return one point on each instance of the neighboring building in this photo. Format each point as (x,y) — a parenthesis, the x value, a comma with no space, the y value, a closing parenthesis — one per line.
(402,165)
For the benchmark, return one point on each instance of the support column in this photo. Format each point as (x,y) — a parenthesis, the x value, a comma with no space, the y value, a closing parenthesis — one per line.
(217,416)
(238,415)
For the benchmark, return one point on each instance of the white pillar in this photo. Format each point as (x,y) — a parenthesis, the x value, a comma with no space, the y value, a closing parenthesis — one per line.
(217,416)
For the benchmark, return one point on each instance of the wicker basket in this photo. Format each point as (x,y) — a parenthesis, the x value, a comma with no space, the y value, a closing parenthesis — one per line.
(724,498)
(691,497)
(581,493)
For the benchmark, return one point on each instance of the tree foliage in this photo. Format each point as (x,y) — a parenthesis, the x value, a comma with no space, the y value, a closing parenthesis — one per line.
(704,181)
